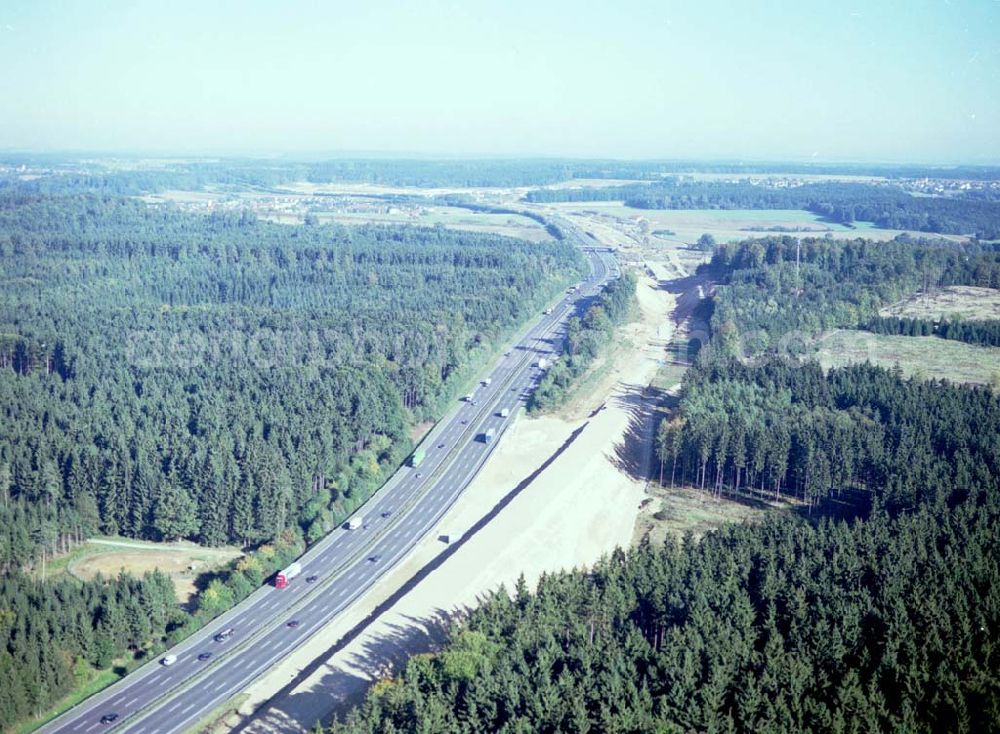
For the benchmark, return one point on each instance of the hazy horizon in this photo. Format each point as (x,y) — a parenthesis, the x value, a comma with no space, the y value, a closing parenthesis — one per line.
(882,83)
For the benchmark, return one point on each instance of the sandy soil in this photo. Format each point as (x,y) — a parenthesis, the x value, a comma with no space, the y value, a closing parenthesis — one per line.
(569,489)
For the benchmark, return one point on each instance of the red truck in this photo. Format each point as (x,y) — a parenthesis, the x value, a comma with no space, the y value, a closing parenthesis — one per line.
(283,577)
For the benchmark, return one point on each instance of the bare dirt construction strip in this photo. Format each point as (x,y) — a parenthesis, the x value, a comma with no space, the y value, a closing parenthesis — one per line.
(559,492)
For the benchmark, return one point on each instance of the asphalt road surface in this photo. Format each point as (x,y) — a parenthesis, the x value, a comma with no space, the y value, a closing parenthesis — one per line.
(161,698)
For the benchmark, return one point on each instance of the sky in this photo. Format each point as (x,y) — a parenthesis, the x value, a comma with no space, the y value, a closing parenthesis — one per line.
(907,81)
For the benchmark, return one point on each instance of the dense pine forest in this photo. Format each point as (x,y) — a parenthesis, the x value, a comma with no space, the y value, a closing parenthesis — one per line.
(174,376)
(888,207)
(859,430)
(882,625)
(215,378)
(884,621)
(56,633)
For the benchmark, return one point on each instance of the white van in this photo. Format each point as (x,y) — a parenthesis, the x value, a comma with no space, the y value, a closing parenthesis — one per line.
(168,660)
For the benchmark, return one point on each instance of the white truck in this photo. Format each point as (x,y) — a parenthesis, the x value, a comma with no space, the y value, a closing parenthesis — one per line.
(168,660)
(354,523)
(542,363)
(487,381)
(469,397)
(489,435)
(504,412)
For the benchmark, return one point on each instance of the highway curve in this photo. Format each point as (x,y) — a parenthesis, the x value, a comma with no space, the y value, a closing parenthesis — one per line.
(346,563)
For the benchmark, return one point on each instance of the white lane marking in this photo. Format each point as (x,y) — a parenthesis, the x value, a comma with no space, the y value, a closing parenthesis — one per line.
(187,708)
(132,701)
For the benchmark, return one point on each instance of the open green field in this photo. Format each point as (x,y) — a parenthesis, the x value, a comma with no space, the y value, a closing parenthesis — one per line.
(923,356)
(731,224)
(960,301)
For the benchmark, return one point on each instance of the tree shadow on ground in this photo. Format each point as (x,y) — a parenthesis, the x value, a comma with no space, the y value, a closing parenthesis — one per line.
(848,504)
(341,689)
(691,292)
(634,454)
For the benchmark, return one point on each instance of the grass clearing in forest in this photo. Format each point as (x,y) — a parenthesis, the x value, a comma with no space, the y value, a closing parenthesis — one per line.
(673,512)
(184,562)
(954,301)
(925,357)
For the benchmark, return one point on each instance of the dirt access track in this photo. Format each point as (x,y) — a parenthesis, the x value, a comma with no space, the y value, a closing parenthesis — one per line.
(183,562)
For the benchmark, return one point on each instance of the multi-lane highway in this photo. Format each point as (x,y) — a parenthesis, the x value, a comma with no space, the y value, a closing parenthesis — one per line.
(272,622)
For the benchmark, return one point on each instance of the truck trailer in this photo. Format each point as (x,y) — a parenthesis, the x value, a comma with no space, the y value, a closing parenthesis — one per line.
(354,523)
(489,435)
(283,577)
(417,456)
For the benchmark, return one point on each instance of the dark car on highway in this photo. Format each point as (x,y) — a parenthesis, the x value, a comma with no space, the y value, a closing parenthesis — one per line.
(204,656)
(109,718)
(293,623)
(311,579)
